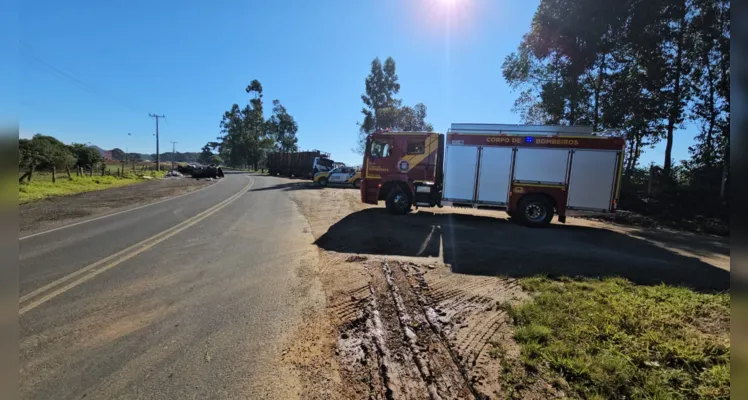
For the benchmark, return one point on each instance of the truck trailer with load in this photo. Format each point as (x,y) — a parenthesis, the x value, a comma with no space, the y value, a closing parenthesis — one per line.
(302,164)
(531,171)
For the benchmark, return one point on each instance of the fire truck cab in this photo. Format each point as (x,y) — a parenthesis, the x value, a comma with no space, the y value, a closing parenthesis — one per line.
(531,171)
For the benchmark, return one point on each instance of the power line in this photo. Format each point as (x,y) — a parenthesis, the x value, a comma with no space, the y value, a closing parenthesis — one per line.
(83,85)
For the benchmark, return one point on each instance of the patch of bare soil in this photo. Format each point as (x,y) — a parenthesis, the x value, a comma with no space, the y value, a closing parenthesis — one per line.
(400,327)
(416,304)
(57,211)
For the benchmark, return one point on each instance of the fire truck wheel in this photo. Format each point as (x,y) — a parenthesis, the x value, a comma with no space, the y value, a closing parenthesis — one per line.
(398,202)
(535,211)
(323,181)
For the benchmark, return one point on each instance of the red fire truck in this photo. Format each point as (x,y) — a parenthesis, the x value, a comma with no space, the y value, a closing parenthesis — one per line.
(531,171)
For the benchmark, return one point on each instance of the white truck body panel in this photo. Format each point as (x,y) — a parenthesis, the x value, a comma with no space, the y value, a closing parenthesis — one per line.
(593,177)
(460,164)
(483,175)
(541,165)
(495,175)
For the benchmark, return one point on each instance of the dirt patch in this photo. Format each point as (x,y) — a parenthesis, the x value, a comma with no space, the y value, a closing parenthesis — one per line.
(417,305)
(398,326)
(57,211)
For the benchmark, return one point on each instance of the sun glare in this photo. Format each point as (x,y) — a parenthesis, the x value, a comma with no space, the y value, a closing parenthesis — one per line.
(436,15)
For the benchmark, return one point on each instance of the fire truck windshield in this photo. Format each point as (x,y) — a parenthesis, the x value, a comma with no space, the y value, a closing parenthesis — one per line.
(379,148)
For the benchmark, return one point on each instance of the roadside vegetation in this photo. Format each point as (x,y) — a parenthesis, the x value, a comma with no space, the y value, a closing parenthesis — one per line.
(644,70)
(43,186)
(603,339)
(246,135)
(47,167)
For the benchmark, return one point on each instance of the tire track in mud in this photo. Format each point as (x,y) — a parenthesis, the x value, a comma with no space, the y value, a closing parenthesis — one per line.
(468,312)
(408,330)
(412,359)
(402,339)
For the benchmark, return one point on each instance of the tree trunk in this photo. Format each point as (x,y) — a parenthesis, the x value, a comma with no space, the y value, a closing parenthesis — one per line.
(70,177)
(90,173)
(31,173)
(708,141)
(675,104)
(573,103)
(54,174)
(24,176)
(598,88)
(723,185)
(637,148)
(649,181)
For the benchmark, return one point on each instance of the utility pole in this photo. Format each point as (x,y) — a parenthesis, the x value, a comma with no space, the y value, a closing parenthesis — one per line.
(173,154)
(158,155)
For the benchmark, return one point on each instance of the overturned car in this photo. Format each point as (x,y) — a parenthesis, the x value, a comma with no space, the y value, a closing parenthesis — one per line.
(201,171)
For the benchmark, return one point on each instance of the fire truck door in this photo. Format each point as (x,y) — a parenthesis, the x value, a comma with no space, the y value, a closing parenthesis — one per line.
(493,180)
(459,178)
(593,174)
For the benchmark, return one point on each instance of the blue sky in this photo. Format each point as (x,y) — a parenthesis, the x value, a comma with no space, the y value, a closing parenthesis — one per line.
(91,71)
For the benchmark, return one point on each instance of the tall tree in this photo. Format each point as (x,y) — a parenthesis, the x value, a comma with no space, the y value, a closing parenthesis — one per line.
(380,105)
(382,110)
(412,119)
(676,42)
(283,128)
(614,65)
(710,105)
(245,135)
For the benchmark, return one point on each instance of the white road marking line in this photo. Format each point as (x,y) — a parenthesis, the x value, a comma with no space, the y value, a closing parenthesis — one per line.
(115,213)
(121,256)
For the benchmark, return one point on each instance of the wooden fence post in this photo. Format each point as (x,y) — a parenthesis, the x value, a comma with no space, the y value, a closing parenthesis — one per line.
(54,174)
(67,169)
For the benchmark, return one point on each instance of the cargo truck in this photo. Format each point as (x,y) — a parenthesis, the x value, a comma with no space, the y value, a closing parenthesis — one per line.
(531,171)
(302,164)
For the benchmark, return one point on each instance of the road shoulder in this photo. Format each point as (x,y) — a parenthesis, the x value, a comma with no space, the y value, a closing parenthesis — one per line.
(54,212)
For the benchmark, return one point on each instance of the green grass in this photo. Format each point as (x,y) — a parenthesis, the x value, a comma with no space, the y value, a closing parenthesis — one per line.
(613,339)
(41,186)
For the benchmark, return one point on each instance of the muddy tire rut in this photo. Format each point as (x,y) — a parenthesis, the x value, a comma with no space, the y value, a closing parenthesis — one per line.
(406,327)
(392,348)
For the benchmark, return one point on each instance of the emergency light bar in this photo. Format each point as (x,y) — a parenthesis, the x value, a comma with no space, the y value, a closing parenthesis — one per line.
(508,129)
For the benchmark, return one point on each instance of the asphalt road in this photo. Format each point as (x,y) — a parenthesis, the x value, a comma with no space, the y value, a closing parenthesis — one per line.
(192,298)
